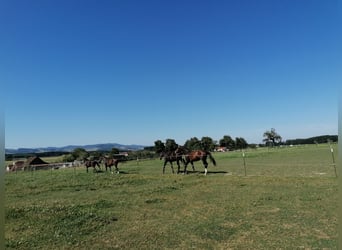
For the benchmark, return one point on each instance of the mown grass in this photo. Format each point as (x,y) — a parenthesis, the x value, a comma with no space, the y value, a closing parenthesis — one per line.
(282,203)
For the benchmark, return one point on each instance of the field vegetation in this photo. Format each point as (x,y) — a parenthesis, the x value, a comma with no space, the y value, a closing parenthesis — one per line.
(287,200)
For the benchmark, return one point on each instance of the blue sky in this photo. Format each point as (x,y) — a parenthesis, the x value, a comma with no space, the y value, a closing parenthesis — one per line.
(133,72)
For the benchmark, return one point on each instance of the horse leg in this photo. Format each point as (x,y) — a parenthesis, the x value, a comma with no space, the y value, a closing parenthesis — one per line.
(116,168)
(186,161)
(205,163)
(185,171)
(172,167)
(178,166)
(98,166)
(165,162)
(193,167)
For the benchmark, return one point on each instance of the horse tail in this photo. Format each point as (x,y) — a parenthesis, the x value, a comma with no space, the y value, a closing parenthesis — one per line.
(211,158)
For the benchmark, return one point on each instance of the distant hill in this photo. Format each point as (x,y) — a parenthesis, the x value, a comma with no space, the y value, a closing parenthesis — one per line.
(313,140)
(69,148)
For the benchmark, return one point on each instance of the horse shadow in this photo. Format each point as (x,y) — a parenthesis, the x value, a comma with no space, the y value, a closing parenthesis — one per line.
(216,172)
(114,172)
(121,172)
(202,172)
(97,171)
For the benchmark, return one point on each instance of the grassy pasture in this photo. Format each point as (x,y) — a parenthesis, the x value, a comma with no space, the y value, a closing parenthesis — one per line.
(288,200)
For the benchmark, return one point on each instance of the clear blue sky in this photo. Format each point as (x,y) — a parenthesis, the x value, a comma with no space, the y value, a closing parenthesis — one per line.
(133,72)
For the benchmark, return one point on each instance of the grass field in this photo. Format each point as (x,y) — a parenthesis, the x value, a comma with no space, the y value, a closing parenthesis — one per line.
(288,200)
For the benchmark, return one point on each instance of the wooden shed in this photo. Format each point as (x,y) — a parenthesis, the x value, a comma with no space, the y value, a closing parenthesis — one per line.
(36,163)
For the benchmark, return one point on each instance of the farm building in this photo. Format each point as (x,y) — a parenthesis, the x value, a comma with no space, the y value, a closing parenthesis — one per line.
(30,162)
(36,163)
(221,149)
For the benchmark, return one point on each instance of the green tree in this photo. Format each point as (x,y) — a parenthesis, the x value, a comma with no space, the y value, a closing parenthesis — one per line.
(68,158)
(207,143)
(227,142)
(271,137)
(159,146)
(113,152)
(193,144)
(170,145)
(240,143)
(79,154)
(96,154)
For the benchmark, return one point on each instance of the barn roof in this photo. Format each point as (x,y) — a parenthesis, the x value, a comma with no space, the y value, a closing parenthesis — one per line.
(35,160)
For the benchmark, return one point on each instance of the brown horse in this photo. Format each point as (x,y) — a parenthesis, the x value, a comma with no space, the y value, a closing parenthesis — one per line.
(196,155)
(109,162)
(92,164)
(171,157)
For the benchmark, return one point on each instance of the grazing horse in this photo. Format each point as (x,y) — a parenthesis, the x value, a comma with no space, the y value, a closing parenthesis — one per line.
(171,157)
(109,162)
(92,164)
(196,155)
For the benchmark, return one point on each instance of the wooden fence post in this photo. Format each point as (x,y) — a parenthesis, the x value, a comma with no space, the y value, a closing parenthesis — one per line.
(244,162)
(333,158)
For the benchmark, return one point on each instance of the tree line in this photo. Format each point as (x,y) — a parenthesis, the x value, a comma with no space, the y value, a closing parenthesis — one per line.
(205,143)
(313,140)
(271,138)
